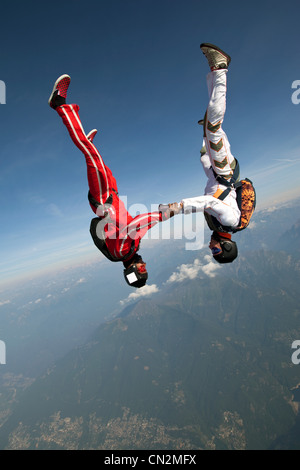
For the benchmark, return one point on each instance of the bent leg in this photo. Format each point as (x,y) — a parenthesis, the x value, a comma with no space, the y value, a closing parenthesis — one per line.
(217,143)
(100,179)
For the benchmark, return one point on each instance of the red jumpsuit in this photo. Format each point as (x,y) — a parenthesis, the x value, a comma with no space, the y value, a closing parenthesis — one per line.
(121,230)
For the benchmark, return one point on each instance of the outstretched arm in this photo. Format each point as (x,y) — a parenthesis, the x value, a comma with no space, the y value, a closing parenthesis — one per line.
(169,210)
(140,225)
(224,213)
(137,229)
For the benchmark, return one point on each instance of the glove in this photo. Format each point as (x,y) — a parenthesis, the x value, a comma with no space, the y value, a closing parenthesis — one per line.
(169,210)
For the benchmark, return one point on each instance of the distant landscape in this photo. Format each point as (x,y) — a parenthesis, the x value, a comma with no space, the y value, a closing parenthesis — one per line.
(203,361)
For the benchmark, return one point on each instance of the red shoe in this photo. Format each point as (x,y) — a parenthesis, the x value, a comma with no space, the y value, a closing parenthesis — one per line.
(59,92)
(92,134)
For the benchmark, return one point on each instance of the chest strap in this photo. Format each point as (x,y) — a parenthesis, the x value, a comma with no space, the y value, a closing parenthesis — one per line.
(229,183)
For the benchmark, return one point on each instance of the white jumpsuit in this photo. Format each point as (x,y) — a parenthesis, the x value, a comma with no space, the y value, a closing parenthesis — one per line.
(218,158)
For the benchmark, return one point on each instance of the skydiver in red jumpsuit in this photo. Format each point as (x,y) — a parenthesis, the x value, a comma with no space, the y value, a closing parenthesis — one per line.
(114,231)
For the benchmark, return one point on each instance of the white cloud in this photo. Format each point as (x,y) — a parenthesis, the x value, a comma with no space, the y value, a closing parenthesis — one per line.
(211,267)
(142,292)
(4,302)
(192,271)
(287,160)
(185,271)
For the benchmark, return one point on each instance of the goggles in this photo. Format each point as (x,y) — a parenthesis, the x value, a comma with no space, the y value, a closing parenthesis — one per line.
(136,276)
(216,251)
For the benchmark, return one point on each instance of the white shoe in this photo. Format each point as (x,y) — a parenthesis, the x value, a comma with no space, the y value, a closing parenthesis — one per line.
(217,59)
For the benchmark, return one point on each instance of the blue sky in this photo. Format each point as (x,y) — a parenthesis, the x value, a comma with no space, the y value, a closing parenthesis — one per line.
(140,78)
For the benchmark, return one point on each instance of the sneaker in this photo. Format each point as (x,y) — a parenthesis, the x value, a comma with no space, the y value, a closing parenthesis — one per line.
(92,134)
(59,92)
(217,59)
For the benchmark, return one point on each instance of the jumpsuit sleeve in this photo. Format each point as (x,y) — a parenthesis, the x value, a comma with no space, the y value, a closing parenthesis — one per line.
(205,160)
(224,213)
(138,227)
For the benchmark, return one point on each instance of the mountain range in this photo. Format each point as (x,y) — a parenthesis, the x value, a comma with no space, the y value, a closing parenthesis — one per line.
(202,363)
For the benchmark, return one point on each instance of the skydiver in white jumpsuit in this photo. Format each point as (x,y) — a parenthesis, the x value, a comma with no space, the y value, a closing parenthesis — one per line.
(222,215)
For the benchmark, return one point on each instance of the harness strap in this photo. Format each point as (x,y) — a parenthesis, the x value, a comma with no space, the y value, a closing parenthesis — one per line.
(100,243)
(231,184)
(232,181)
(94,201)
(223,194)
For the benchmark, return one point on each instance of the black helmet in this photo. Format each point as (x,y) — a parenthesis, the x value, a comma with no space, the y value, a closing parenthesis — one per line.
(132,275)
(229,249)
